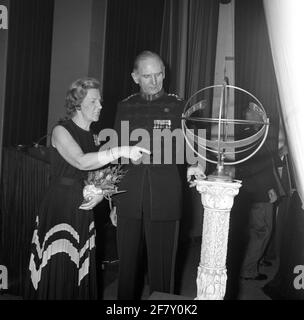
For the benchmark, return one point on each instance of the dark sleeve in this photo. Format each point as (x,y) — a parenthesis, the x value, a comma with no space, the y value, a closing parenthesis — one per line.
(271,182)
(259,177)
(117,126)
(181,107)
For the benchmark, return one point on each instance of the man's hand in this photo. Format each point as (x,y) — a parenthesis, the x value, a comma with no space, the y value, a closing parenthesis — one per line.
(272,196)
(113,216)
(197,171)
(283,151)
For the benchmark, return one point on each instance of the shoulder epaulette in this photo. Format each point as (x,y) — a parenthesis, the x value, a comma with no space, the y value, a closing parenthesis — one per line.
(131,96)
(174,95)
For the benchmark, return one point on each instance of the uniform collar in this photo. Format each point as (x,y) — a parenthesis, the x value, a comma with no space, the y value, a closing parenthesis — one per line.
(152,97)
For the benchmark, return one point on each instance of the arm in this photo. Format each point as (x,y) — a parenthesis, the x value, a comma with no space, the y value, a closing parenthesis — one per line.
(72,153)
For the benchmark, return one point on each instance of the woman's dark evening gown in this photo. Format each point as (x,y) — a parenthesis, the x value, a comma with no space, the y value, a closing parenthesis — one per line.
(62,260)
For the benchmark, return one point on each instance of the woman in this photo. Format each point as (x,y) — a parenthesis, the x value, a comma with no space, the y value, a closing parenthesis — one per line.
(62,261)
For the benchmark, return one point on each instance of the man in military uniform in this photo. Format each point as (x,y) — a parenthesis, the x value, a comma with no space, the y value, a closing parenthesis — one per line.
(149,212)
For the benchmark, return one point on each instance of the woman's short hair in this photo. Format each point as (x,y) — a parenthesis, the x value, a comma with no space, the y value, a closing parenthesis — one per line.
(77,92)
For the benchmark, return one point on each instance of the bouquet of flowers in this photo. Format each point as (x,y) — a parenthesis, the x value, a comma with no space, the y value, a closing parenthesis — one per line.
(104,181)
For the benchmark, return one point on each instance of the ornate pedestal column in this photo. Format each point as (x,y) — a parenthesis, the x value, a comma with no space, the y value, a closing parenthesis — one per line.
(217,199)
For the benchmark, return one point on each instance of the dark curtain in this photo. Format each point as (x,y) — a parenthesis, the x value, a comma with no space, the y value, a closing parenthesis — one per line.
(203,28)
(132,26)
(24,181)
(189,44)
(28,71)
(254,70)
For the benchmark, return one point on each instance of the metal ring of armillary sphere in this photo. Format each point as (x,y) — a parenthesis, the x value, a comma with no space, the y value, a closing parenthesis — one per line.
(222,146)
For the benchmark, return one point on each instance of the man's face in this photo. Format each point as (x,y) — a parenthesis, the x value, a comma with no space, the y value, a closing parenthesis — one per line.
(253,116)
(149,75)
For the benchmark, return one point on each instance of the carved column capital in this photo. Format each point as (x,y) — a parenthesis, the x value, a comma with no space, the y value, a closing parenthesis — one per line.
(217,194)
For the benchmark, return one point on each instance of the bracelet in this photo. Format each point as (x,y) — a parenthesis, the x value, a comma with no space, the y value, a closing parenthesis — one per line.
(100,155)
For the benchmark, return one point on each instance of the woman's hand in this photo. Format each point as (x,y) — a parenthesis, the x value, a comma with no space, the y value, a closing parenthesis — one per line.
(92,203)
(134,153)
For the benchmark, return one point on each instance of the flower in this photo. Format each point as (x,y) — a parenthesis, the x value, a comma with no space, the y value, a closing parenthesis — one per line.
(103,181)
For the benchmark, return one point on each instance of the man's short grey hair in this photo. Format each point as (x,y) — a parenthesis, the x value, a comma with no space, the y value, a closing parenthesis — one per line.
(147,54)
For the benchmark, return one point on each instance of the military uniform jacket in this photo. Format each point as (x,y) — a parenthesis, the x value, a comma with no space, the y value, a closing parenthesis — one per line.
(165,179)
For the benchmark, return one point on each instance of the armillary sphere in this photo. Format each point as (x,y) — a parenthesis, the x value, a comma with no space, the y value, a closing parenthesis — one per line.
(236,131)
